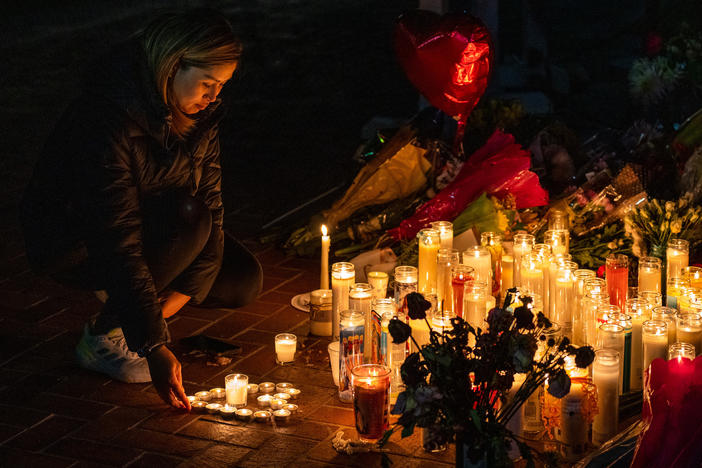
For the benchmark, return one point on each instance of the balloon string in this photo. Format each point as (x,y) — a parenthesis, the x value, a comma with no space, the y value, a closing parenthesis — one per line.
(460,131)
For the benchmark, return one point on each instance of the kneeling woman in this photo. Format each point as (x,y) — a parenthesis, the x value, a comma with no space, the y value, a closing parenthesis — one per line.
(126,197)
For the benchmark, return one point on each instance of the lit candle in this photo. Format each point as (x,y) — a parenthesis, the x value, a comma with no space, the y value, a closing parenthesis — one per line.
(321,312)
(204,395)
(445,229)
(460,275)
(493,242)
(285,344)
(638,310)
(217,393)
(523,243)
(405,283)
(669,316)
(264,401)
(236,389)
(674,289)
(474,305)
(611,336)
(532,273)
(480,259)
(243,414)
(592,303)
(693,275)
(617,273)
(516,422)
(653,298)
(420,333)
(558,240)
(677,257)
(445,260)
(350,350)
(324,272)
(371,399)
(650,274)
(562,311)
(680,351)
(360,300)
(626,323)
(266,387)
(379,282)
(690,330)
(343,276)
(605,376)
(429,242)
(507,274)
(574,429)
(655,341)
(579,278)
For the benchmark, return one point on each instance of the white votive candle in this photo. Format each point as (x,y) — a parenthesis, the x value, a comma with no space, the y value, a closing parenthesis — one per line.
(690,330)
(236,386)
(655,341)
(445,229)
(285,344)
(523,243)
(605,376)
(264,401)
(677,257)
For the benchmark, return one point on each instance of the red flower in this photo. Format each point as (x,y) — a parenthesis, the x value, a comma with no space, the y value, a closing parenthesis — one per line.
(653,44)
(601,272)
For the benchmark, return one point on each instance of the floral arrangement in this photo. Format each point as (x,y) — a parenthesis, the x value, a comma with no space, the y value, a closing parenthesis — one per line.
(456,385)
(653,223)
(592,250)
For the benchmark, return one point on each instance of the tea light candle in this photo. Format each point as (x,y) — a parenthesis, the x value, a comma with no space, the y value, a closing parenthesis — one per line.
(277,404)
(192,399)
(523,243)
(445,229)
(655,341)
(281,415)
(283,386)
(264,401)
(343,276)
(204,395)
(243,414)
(236,388)
(252,388)
(677,257)
(199,406)
(227,412)
(213,408)
(324,269)
(293,392)
(291,407)
(605,375)
(429,242)
(262,416)
(218,393)
(285,344)
(266,387)
(690,330)
(282,396)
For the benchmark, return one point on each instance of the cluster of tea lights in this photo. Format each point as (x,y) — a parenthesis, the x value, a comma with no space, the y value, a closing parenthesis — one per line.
(274,400)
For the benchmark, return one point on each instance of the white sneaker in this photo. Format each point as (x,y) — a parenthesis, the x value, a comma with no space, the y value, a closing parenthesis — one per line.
(109,355)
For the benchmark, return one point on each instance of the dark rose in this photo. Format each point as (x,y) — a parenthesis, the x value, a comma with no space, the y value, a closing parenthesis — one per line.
(399,330)
(584,356)
(417,306)
(559,384)
(411,376)
(563,345)
(525,318)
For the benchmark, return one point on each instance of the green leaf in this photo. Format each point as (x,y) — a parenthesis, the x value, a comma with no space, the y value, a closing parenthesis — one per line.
(407,430)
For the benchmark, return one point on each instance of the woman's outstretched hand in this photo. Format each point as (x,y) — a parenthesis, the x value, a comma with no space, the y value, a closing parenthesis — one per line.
(167,378)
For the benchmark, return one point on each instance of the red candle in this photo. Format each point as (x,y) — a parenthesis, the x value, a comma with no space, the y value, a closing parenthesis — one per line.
(460,275)
(371,398)
(617,275)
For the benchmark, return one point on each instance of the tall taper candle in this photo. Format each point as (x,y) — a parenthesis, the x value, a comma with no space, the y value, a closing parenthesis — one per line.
(324,270)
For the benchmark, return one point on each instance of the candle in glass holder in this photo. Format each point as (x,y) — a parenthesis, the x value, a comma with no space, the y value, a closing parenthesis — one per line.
(523,243)
(480,259)
(611,336)
(350,350)
(617,276)
(574,428)
(321,312)
(360,299)
(405,283)
(689,300)
(379,282)
(638,310)
(493,242)
(343,277)
(236,389)
(324,271)
(558,240)
(285,345)
(556,261)
(558,219)
(690,330)
(693,275)
(506,273)
(677,257)
(650,271)
(460,275)
(669,316)
(653,298)
(655,341)
(605,376)
(445,260)
(592,302)
(532,273)
(562,311)
(445,229)
(674,289)
(681,350)
(474,305)
(626,323)
(429,242)
(604,312)
(371,400)
(579,278)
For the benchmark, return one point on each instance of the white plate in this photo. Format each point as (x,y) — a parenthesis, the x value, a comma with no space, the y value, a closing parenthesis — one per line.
(301,302)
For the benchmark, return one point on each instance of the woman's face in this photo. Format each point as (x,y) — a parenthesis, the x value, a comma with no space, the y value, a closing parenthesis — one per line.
(195,88)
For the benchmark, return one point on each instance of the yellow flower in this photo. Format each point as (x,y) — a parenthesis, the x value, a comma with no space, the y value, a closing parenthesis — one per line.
(669,206)
(675,227)
(502,221)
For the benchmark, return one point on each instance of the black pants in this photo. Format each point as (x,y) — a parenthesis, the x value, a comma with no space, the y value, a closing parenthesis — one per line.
(175,228)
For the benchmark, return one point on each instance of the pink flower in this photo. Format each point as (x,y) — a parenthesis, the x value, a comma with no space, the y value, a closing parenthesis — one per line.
(601,271)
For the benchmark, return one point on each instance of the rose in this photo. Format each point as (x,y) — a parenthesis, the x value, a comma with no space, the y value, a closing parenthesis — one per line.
(417,306)
(399,330)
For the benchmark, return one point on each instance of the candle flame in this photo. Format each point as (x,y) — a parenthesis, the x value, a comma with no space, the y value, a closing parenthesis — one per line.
(324,230)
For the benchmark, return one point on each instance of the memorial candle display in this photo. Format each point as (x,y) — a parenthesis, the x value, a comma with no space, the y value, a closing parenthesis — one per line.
(343,277)
(360,299)
(579,278)
(690,330)
(351,335)
(460,275)
(693,275)
(523,243)
(617,276)
(379,282)
(650,274)
(480,259)
(324,271)
(669,316)
(574,428)
(605,376)
(371,401)
(321,312)
(445,229)
(638,310)
(405,283)
(445,260)
(611,336)
(532,273)
(655,341)
(236,389)
(285,345)
(493,242)
(677,256)
(429,242)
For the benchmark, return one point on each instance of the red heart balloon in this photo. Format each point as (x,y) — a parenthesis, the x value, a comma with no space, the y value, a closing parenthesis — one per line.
(447,58)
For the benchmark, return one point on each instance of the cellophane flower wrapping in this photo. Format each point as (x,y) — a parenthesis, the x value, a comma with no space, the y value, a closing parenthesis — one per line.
(672,414)
(499,167)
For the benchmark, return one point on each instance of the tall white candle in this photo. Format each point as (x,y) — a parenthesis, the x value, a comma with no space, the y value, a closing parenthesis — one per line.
(523,243)
(360,299)
(574,430)
(533,274)
(429,242)
(605,376)
(324,270)
(637,309)
(343,277)
(474,305)
(579,278)
(516,422)
(445,259)
(445,229)
(655,341)
(562,311)
(480,259)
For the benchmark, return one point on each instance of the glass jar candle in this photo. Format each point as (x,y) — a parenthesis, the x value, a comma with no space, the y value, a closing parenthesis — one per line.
(321,312)
(522,245)
(371,400)
(653,298)
(556,262)
(445,229)
(383,310)
(474,305)
(693,275)
(343,277)
(638,310)
(655,341)
(379,282)
(563,297)
(669,316)
(460,276)
(680,350)
(506,274)
(493,242)
(605,376)
(405,283)
(285,346)
(480,259)
(592,303)
(236,389)
(611,336)
(650,271)
(579,278)
(429,243)
(626,323)
(558,220)
(674,290)
(688,298)
(617,274)
(532,273)
(445,260)
(604,312)
(360,297)
(690,330)
(351,336)
(677,256)
(558,240)
(420,327)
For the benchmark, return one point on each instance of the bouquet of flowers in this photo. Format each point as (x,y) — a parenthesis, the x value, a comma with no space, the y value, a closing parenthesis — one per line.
(653,223)
(456,385)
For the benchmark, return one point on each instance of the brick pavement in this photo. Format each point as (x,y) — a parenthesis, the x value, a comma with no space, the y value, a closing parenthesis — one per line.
(56,414)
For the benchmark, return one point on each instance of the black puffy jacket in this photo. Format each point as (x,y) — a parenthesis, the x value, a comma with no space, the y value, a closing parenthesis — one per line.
(111,149)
